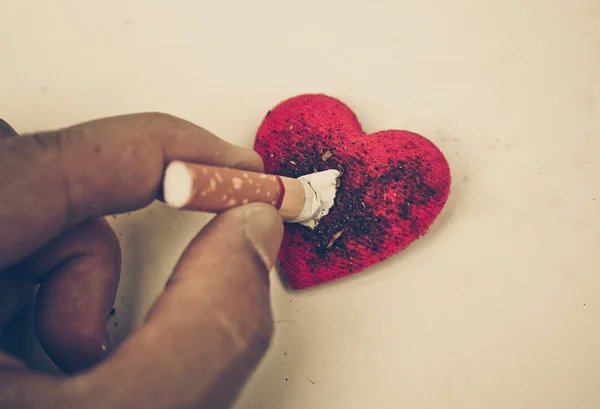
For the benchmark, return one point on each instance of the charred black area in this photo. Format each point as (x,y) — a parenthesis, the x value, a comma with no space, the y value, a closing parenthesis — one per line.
(350,214)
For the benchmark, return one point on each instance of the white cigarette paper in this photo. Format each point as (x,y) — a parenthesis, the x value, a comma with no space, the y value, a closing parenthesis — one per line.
(319,190)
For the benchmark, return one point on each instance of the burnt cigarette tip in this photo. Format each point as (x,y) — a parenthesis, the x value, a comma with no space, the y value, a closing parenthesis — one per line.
(178,185)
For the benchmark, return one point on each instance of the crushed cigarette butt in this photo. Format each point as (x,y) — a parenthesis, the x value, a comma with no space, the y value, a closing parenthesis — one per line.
(337,179)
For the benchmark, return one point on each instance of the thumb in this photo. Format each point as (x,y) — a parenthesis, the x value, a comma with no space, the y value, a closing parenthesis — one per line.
(208,331)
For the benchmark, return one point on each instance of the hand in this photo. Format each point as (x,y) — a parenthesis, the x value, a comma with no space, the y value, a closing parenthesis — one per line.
(204,335)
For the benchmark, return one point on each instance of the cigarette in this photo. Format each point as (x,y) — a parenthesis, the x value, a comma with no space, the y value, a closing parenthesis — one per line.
(198,187)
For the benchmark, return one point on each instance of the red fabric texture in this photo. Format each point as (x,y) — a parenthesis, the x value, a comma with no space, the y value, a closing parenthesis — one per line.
(393,186)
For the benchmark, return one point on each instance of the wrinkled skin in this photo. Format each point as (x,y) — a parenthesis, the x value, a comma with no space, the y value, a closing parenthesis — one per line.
(205,334)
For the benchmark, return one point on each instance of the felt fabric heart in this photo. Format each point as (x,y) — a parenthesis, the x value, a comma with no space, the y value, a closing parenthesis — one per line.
(394,184)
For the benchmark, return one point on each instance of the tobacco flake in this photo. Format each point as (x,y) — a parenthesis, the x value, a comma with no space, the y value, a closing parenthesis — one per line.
(326,156)
(334,238)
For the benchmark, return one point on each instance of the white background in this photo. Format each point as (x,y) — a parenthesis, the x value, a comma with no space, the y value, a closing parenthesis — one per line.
(499,306)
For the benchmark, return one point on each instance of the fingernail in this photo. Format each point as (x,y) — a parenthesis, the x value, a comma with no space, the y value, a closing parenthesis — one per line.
(5,128)
(264,231)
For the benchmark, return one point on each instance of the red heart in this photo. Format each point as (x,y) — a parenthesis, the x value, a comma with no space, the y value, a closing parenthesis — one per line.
(394,185)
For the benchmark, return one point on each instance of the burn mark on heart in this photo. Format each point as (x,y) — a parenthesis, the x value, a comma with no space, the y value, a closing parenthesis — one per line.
(347,215)
(398,185)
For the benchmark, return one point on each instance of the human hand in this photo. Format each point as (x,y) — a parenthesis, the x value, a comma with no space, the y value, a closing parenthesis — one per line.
(203,336)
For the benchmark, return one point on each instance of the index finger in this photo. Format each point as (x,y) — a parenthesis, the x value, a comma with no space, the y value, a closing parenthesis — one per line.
(53,180)
(6,131)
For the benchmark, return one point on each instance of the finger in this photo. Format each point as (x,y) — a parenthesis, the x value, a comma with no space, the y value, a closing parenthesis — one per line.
(13,294)
(79,272)
(6,130)
(207,332)
(113,165)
